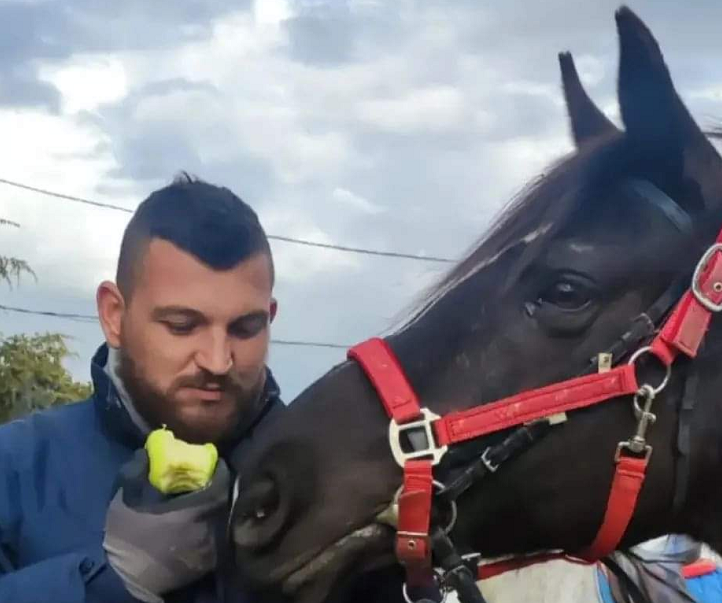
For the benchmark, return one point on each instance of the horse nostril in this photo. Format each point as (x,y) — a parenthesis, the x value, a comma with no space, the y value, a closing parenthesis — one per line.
(260,516)
(261,500)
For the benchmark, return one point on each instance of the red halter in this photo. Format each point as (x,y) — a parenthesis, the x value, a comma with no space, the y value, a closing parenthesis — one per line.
(682,333)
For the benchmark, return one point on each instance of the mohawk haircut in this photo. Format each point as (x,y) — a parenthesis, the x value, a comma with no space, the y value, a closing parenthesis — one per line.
(209,222)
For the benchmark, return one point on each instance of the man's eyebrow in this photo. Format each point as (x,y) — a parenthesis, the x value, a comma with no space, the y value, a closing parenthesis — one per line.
(251,316)
(164,312)
(175,311)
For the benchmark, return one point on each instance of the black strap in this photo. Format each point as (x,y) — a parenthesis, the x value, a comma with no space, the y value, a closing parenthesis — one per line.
(657,197)
(457,574)
(633,592)
(494,456)
(644,325)
(684,427)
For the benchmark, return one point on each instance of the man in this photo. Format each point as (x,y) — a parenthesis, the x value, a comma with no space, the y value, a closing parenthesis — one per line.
(187,330)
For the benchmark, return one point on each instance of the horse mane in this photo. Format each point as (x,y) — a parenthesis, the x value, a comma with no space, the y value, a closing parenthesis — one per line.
(544,205)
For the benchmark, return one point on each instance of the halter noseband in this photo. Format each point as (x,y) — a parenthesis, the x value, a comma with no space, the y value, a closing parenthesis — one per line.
(688,310)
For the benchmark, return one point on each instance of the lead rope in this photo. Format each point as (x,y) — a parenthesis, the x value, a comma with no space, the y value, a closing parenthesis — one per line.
(456,574)
(452,573)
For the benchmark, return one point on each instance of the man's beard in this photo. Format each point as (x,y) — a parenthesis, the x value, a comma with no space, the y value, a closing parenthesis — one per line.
(158,408)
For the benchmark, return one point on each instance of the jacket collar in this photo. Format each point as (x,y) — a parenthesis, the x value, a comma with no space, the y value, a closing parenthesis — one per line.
(118,420)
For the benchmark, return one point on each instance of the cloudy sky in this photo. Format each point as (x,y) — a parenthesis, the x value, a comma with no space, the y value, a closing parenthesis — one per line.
(396,125)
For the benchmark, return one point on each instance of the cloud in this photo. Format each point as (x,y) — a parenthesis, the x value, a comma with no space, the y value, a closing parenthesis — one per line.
(87,83)
(20,89)
(425,110)
(398,126)
(33,33)
(347,198)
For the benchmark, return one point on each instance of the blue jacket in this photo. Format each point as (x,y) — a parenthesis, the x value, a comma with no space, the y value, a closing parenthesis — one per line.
(57,473)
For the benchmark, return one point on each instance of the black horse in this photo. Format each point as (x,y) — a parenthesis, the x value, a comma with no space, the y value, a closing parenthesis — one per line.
(584,250)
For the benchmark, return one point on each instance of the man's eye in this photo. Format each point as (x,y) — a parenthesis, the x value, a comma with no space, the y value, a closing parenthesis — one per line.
(567,295)
(249,327)
(180,328)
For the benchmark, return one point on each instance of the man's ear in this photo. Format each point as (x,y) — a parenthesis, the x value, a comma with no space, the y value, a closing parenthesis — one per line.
(111,307)
(274,308)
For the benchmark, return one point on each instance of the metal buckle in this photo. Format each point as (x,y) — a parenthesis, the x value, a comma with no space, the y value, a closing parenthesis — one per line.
(696,289)
(432,450)
(634,448)
(637,444)
(487,463)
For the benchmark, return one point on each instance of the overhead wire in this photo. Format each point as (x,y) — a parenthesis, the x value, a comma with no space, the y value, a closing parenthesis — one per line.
(90,318)
(283,238)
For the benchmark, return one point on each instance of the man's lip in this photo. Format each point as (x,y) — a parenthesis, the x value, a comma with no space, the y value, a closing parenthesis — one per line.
(206,394)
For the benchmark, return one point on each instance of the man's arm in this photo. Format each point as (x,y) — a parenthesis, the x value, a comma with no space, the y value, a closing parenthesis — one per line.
(78,577)
(153,545)
(82,576)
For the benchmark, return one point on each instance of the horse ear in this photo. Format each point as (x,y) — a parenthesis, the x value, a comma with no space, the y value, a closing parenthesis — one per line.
(654,114)
(585,118)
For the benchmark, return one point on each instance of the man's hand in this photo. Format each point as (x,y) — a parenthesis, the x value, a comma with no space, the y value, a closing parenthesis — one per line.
(159,543)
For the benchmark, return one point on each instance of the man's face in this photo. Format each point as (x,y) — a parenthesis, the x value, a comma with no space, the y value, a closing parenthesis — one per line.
(194,341)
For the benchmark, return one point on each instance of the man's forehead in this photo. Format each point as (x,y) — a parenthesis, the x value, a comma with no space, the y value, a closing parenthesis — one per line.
(165,256)
(167,268)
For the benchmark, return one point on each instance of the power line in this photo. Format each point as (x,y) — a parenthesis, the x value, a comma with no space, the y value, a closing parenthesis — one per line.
(43,191)
(89,318)
(69,316)
(391,254)
(313,344)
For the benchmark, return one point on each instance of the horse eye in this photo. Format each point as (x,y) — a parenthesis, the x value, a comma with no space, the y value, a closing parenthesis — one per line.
(567,295)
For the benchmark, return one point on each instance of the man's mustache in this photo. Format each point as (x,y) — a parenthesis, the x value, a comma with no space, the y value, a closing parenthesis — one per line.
(209,381)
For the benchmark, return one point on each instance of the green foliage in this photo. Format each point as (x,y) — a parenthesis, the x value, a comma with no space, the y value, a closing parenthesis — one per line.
(12,268)
(32,376)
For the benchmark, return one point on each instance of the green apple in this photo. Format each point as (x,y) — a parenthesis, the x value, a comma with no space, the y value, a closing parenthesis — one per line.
(177,466)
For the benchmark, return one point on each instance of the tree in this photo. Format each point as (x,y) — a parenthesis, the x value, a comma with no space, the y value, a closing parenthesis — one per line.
(32,375)
(11,267)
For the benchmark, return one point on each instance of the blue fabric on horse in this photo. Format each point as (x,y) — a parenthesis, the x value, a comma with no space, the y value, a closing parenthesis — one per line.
(57,474)
(706,588)
(658,568)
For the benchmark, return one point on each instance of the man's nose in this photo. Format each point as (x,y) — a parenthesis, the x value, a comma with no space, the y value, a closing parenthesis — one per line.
(215,355)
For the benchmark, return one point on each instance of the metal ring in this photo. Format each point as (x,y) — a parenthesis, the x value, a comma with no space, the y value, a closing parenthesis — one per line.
(404,591)
(454,512)
(648,350)
(452,503)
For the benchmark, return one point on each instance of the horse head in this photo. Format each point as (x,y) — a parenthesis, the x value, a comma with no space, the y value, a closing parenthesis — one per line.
(583,251)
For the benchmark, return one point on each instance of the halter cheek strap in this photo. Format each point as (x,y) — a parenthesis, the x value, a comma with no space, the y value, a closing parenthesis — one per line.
(655,196)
